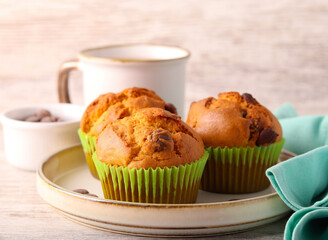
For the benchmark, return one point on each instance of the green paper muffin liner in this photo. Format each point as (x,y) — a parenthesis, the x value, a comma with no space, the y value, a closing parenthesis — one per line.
(89,147)
(239,170)
(161,185)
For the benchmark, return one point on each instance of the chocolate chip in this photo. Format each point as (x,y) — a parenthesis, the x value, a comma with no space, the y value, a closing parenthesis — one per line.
(32,119)
(49,119)
(161,139)
(91,195)
(85,192)
(208,102)
(82,191)
(252,131)
(255,128)
(164,135)
(46,119)
(267,136)
(171,108)
(243,113)
(42,113)
(55,119)
(249,98)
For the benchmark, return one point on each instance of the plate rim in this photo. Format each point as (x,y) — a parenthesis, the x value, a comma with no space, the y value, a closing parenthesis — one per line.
(41,176)
(175,235)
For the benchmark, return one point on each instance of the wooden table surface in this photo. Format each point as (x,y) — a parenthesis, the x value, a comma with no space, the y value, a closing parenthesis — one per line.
(276,50)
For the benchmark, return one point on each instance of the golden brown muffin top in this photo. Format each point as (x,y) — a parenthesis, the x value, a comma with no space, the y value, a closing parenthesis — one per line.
(150,138)
(110,107)
(234,120)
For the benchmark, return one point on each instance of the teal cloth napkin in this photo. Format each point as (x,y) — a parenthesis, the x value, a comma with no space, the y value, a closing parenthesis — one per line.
(302,182)
(308,223)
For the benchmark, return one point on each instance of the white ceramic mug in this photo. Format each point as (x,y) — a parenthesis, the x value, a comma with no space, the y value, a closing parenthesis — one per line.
(115,68)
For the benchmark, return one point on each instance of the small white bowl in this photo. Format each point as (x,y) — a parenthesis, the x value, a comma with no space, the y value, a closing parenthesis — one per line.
(27,144)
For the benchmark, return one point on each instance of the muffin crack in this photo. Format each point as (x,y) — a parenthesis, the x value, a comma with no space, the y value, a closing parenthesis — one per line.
(180,128)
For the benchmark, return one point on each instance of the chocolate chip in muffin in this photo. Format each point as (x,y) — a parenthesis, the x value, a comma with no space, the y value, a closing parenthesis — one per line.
(208,102)
(249,98)
(243,113)
(171,108)
(255,128)
(162,139)
(267,136)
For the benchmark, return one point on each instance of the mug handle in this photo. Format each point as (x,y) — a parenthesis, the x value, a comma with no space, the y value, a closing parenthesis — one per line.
(63,76)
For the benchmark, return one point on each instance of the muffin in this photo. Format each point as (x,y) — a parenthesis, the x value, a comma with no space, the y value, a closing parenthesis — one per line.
(152,157)
(243,138)
(110,107)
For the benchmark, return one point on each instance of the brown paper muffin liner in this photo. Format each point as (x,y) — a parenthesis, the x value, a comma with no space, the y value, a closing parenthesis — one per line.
(89,147)
(161,185)
(239,170)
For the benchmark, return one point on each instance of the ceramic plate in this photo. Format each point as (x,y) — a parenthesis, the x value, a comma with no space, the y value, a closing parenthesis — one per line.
(211,214)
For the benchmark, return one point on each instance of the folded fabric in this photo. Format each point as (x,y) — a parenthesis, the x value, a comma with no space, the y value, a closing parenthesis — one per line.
(285,111)
(302,182)
(303,133)
(308,223)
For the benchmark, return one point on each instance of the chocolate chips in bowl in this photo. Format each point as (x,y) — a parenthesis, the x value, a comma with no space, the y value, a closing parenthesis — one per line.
(33,133)
(42,115)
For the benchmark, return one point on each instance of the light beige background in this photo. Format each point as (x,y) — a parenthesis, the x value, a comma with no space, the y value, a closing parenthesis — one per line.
(276,50)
